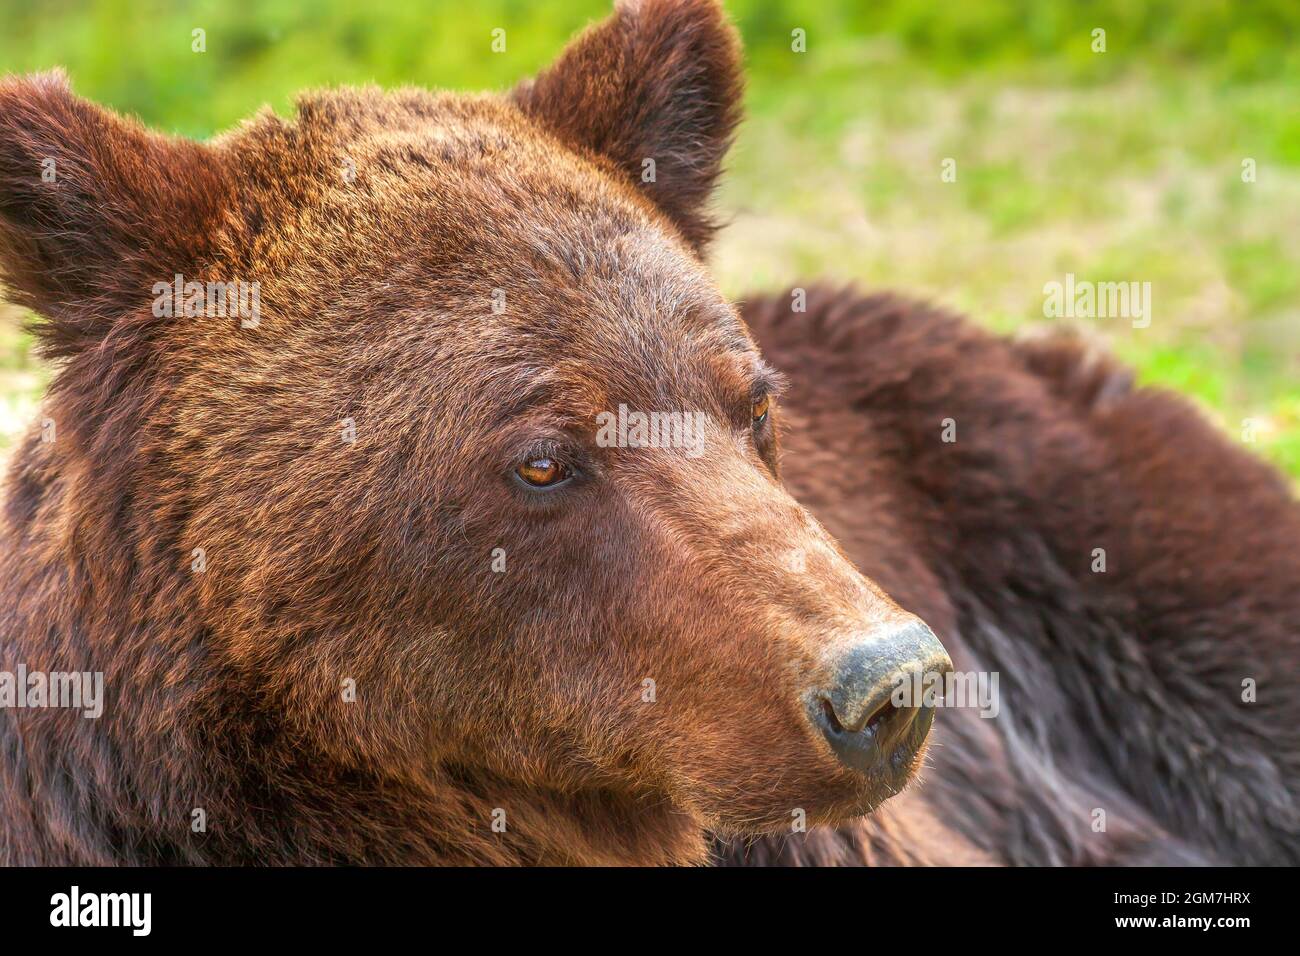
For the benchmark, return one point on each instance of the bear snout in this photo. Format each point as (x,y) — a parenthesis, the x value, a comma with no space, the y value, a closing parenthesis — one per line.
(858,711)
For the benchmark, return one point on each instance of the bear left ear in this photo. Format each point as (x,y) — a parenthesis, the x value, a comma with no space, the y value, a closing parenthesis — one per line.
(655,88)
(94,209)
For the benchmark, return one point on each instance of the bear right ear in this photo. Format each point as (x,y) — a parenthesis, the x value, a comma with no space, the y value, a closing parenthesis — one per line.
(94,209)
(659,81)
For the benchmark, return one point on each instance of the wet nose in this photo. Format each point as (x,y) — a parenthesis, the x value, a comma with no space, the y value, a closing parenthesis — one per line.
(867,725)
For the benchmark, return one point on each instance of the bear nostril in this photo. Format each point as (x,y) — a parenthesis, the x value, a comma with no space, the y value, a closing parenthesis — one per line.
(880,720)
(828,710)
(886,712)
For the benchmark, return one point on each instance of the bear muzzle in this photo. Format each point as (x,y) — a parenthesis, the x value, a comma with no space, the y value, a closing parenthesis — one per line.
(857,710)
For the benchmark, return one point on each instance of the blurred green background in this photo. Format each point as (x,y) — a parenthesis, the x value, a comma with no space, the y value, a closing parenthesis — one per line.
(1116,165)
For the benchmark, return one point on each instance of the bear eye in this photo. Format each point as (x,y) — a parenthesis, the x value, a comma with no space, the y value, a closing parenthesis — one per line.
(758,411)
(542,472)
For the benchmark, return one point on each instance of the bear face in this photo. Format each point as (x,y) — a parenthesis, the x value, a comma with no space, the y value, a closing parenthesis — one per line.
(481,482)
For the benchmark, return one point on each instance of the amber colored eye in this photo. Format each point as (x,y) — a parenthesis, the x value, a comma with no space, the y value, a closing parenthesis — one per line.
(542,472)
(759,411)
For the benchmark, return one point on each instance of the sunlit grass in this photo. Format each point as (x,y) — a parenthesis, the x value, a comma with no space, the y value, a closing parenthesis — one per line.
(1112,183)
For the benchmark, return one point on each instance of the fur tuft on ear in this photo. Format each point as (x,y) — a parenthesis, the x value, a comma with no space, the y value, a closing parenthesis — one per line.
(659,81)
(94,209)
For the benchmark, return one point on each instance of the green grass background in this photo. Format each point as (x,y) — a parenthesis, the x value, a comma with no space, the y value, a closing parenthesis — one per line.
(1122,165)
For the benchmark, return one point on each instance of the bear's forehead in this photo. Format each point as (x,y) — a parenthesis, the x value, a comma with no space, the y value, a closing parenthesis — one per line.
(634,322)
(466,224)
(475,161)
(464,186)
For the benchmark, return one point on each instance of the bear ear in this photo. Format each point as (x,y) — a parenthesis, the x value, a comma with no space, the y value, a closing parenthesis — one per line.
(659,80)
(94,209)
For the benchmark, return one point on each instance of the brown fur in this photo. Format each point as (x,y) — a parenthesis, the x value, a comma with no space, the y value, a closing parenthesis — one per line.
(477,691)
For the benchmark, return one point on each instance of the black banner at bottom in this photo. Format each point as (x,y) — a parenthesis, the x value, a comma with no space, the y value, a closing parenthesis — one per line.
(333,906)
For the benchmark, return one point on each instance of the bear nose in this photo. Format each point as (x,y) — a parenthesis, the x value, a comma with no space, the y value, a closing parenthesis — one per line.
(857,712)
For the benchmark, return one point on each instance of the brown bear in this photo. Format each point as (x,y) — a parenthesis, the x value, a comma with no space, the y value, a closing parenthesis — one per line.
(408,493)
